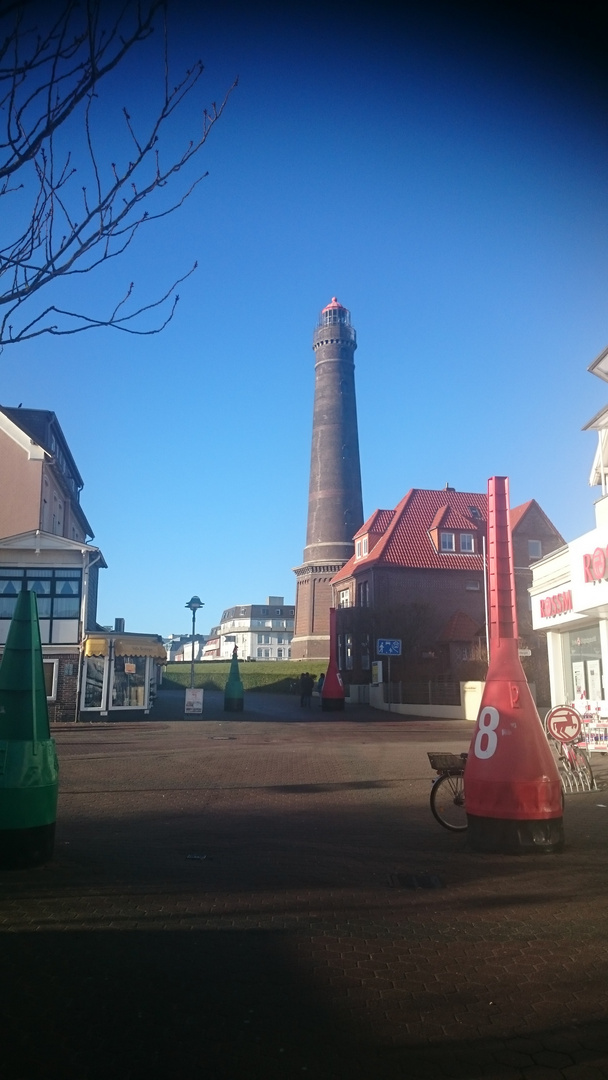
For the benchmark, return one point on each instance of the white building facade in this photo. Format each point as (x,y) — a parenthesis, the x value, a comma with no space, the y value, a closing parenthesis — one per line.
(259,631)
(569,593)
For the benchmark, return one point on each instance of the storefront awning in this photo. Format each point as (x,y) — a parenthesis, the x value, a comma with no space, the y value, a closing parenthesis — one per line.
(96,646)
(140,646)
(136,645)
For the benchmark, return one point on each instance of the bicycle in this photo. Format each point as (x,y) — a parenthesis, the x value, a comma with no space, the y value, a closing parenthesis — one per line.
(447,792)
(574,767)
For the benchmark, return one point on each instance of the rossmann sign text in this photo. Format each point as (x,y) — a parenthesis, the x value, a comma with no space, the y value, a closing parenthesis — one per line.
(556,605)
(595,567)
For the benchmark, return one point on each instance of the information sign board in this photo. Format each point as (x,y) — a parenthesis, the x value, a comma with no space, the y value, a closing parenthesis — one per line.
(194,702)
(386,646)
(563,723)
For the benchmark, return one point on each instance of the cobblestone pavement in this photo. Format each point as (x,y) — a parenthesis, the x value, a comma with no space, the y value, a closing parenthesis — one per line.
(268,896)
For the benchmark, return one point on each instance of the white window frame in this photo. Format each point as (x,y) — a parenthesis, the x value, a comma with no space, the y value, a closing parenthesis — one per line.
(448,541)
(469,537)
(344,598)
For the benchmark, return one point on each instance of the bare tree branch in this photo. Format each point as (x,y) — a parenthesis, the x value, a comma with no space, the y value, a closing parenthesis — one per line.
(50,78)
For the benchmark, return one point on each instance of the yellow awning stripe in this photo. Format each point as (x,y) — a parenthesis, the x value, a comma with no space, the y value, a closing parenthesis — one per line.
(139,646)
(96,646)
(126,646)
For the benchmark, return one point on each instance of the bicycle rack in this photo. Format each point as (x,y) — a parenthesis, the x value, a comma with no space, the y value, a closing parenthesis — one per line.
(574,779)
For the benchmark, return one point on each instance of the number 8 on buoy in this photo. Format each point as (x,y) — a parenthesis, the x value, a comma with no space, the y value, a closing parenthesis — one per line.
(487,739)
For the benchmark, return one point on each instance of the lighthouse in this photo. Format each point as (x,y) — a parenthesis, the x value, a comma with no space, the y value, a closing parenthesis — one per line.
(335,504)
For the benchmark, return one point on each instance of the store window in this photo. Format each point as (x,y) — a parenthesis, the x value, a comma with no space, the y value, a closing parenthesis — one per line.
(129,682)
(93,684)
(583,664)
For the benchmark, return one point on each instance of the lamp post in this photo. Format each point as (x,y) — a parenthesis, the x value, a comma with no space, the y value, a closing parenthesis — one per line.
(194,604)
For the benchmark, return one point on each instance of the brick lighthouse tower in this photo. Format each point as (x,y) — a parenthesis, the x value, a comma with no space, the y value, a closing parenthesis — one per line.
(335,505)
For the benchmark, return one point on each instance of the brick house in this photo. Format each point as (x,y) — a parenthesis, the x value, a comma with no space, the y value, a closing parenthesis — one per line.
(418,575)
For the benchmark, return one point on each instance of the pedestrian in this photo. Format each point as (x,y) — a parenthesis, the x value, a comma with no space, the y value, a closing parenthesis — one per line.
(320,682)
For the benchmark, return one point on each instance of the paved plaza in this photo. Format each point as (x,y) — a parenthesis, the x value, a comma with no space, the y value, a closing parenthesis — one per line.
(266,896)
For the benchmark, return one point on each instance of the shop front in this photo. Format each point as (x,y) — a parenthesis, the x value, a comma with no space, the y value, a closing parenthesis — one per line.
(120,673)
(569,598)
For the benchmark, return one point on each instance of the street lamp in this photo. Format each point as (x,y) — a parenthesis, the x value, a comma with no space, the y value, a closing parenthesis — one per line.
(194,604)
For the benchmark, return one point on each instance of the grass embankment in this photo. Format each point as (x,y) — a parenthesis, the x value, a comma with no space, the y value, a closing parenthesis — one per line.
(275,676)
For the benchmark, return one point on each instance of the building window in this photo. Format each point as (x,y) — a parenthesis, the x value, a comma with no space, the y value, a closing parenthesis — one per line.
(365,664)
(364,545)
(341,651)
(535,550)
(363,594)
(472,586)
(358,549)
(50,677)
(260,639)
(266,653)
(448,541)
(348,649)
(58,596)
(467,542)
(259,652)
(475,513)
(344,598)
(279,654)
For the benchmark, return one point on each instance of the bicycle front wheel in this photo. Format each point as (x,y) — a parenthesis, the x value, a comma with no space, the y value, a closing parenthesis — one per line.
(447,802)
(582,767)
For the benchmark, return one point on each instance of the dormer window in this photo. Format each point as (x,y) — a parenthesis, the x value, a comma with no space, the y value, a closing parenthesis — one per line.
(475,513)
(361,547)
(448,541)
(467,542)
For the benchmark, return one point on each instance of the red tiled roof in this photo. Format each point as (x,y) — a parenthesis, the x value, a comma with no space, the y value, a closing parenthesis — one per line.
(406,539)
(518,512)
(377,523)
(405,532)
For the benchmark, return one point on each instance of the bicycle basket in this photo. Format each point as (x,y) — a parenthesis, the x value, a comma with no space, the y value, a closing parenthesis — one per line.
(446,763)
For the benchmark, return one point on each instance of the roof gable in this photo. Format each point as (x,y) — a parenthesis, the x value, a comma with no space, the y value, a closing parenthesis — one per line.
(36,541)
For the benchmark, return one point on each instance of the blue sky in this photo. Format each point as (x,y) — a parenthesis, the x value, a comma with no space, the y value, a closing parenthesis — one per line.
(446,179)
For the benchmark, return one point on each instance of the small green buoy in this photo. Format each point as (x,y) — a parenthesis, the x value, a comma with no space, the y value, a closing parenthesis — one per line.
(234,693)
(28,763)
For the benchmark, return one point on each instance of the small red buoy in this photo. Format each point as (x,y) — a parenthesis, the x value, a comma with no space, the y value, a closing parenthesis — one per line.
(512,785)
(332,694)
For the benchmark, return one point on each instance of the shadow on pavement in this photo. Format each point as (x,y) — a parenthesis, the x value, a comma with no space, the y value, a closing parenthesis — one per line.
(219,1005)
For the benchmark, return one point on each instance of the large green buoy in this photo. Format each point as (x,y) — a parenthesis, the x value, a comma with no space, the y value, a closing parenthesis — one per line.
(28,763)
(234,693)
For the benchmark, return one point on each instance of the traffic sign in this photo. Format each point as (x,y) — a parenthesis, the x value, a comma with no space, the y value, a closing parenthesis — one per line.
(563,723)
(387,646)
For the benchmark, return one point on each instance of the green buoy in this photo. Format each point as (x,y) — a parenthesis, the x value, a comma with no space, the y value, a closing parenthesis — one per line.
(234,693)
(28,762)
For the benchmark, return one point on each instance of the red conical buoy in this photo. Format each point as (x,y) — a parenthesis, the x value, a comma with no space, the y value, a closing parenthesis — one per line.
(332,694)
(512,785)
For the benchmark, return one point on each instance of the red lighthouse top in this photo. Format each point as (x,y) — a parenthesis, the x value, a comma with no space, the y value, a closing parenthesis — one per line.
(334,312)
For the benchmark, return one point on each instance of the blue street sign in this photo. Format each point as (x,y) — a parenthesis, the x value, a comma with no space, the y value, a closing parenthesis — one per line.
(386,646)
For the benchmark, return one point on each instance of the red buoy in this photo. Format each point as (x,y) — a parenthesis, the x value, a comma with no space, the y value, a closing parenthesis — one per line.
(332,694)
(512,785)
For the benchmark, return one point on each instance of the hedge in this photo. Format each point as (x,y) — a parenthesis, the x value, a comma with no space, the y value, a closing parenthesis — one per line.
(278,676)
